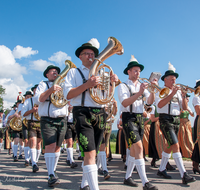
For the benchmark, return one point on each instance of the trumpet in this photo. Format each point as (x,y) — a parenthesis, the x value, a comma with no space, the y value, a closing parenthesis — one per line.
(153,88)
(187,89)
(147,108)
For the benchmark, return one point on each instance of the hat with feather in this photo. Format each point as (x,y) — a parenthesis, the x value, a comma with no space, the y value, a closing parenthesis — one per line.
(197,83)
(171,71)
(93,44)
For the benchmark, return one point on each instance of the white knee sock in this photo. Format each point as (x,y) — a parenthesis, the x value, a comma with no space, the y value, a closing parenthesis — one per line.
(130,166)
(65,146)
(140,165)
(70,151)
(79,154)
(26,153)
(33,156)
(50,162)
(179,162)
(21,149)
(98,160)
(77,146)
(68,158)
(38,155)
(102,156)
(90,171)
(11,144)
(15,148)
(164,160)
(0,145)
(57,155)
(127,155)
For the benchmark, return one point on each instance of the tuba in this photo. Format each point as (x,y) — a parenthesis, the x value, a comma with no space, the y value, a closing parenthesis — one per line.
(57,98)
(98,68)
(16,123)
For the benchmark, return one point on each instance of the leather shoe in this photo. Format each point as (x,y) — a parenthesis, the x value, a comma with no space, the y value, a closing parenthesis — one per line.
(187,178)
(170,167)
(20,157)
(148,185)
(80,158)
(130,182)
(100,171)
(52,181)
(85,188)
(26,163)
(164,174)
(73,165)
(106,174)
(15,159)
(35,168)
(68,162)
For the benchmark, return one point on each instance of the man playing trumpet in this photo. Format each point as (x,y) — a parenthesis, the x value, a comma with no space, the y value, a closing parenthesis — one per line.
(169,117)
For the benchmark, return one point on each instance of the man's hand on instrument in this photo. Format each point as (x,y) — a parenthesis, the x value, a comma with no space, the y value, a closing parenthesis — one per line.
(56,88)
(143,86)
(114,78)
(93,81)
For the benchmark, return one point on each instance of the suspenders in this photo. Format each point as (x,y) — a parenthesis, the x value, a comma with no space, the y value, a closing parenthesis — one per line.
(32,107)
(84,81)
(49,99)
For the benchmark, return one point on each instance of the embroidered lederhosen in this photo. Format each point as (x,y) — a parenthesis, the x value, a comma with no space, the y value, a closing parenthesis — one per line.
(133,123)
(169,124)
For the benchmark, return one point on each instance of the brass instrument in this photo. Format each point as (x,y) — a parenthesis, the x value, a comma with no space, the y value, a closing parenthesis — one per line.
(57,98)
(187,89)
(147,108)
(110,108)
(98,68)
(153,88)
(36,113)
(20,97)
(25,122)
(16,123)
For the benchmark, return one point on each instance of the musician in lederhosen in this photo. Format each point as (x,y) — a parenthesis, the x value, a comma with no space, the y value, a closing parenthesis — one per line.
(2,127)
(88,115)
(169,116)
(131,95)
(30,111)
(196,152)
(53,122)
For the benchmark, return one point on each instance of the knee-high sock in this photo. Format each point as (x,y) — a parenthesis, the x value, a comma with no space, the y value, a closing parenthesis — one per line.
(102,156)
(38,155)
(15,148)
(33,156)
(164,160)
(11,144)
(77,146)
(130,166)
(50,162)
(57,155)
(179,162)
(140,165)
(98,160)
(70,151)
(21,148)
(90,171)
(26,153)
(0,145)
(65,146)
(68,158)
(127,155)
(79,154)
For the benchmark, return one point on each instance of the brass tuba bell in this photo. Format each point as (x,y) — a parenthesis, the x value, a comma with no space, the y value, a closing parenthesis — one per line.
(103,92)
(16,123)
(57,98)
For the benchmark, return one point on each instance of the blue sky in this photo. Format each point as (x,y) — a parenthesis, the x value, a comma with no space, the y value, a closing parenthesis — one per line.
(34,34)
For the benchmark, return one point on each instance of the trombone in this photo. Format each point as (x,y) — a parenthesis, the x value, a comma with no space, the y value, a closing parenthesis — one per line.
(153,88)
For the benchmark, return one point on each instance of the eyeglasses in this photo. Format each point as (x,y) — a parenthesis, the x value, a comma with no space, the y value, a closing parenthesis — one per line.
(88,54)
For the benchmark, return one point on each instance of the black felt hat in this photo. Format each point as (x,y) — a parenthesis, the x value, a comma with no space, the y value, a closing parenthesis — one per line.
(50,67)
(93,44)
(197,84)
(28,93)
(133,63)
(34,87)
(170,71)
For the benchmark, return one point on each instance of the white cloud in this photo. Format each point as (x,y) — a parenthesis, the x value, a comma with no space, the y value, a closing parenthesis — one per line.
(20,52)
(59,57)
(40,65)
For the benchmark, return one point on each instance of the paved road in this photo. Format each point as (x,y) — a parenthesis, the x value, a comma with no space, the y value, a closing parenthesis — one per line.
(14,175)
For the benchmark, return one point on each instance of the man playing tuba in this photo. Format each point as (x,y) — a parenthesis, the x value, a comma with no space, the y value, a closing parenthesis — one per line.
(89,116)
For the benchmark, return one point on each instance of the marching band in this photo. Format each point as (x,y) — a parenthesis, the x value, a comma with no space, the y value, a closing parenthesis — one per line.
(78,103)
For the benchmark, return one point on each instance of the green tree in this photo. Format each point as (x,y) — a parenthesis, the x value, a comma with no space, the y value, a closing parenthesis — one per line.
(112,138)
(2,92)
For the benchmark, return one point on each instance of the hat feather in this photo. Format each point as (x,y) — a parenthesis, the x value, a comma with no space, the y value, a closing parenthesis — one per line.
(197,80)
(133,58)
(171,67)
(94,42)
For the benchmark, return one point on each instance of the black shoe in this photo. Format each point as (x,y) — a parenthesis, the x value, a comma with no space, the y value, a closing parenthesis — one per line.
(56,176)
(125,167)
(109,159)
(68,162)
(106,174)
(85,188)
(153,164)
(52,181)
(100,171)
(187,178)
(170,167)
(149,186)
(62,151)
(20,157)
(30,162)
(35,168)
(26,163)
(164,174)
(196,171)
(77,151)
(145,159)
(15,159)
(80,158)
(130,182)
(73,165)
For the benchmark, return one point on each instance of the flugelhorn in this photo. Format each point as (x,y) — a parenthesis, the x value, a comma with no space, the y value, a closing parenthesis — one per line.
(187,89)
(153,88)
(98,68)
(57,98)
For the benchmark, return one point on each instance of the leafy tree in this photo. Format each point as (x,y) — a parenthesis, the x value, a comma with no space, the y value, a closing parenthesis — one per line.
(2,92)
(112,138)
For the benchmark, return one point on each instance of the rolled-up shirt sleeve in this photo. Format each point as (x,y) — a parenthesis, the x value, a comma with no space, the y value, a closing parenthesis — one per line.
(123,93)
(42,87)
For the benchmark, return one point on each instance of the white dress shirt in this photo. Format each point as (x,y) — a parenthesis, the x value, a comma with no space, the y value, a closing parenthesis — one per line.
(54,112)
(10,113)
(28,106)
(196,101)
(73,80)
(123,93)
(20,109)
(175,106)
(70,117)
